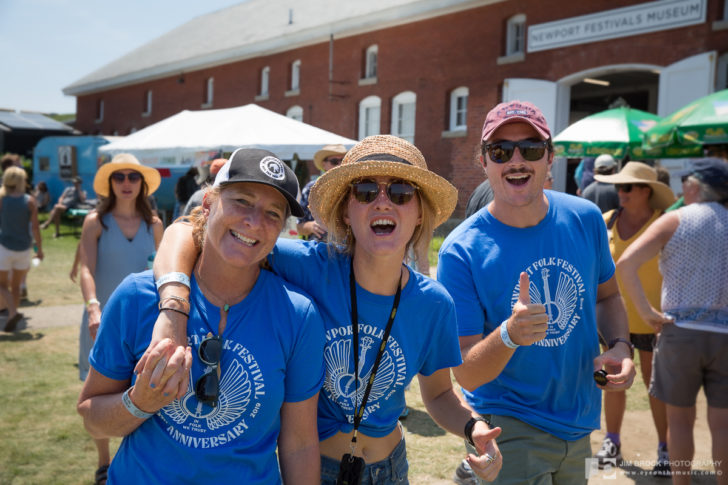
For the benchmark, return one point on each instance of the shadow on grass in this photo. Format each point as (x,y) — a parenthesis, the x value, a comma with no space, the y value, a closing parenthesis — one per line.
(21,336)
(419,422)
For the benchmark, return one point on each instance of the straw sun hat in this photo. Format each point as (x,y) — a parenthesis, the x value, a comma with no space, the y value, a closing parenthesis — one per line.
(387,156)
(327,151)
(640,173)
(125,161)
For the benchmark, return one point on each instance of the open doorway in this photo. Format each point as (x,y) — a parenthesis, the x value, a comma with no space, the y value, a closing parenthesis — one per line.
(591,94)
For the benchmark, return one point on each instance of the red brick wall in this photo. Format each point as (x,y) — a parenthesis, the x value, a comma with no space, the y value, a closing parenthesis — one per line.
(429,57)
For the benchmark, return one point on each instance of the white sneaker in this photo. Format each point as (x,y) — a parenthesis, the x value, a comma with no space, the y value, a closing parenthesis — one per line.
(608,454)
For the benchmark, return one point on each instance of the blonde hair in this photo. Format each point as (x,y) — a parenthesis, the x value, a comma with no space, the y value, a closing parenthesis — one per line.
(14,179)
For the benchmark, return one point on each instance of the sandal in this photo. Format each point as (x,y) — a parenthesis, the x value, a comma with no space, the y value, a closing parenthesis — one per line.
(101,474)
(13,322)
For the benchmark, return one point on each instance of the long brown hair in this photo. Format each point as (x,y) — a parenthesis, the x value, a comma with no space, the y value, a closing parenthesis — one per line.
(141,204)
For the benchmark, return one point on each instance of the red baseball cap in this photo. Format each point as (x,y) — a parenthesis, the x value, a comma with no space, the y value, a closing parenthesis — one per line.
(515,111)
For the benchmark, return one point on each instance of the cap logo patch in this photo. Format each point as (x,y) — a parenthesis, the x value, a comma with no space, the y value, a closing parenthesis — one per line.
(516,112)
(273,168)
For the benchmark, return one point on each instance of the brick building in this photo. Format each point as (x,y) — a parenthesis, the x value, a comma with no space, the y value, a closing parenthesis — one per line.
(426,70)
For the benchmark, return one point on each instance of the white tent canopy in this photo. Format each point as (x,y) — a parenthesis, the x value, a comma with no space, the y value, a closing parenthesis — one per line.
(180,137)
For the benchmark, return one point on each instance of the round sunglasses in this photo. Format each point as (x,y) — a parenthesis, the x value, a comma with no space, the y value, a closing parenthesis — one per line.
(502,151)
(119,177)
(207,387)
(398,191)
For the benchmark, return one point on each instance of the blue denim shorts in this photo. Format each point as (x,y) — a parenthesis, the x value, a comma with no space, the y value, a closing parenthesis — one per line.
(392,470)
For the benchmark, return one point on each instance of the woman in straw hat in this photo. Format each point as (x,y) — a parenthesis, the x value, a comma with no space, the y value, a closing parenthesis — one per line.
(256,386)
(116,240)
(642,199)
(385,323)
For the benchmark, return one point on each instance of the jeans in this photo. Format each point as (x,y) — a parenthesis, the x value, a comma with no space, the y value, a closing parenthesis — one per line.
(392,470)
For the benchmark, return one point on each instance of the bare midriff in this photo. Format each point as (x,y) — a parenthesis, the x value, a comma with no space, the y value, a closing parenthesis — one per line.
(370,448)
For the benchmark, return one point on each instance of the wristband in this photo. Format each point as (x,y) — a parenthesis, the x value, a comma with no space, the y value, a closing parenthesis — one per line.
(174,310)
(506,337)
(174,277)
(629,344)
(135,411)
(468,431)
(92,301)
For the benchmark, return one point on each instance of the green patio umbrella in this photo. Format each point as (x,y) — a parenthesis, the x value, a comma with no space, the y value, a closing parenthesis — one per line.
(617,131)
(704,121)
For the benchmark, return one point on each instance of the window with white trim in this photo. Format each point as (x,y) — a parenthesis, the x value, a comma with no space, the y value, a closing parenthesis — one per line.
(403,115)
(459,109)
(264,80)
(147,103)
(370,68)
(295,112)
(516,35)
(100,110)
(209,91)
(369,114)
(296,75)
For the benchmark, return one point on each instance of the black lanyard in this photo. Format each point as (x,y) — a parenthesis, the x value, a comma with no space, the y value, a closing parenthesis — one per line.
(359,410)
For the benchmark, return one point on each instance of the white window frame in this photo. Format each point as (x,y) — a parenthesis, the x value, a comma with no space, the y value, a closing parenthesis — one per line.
(209,92)
(99,111)
(295,112)
(516,35)
(403,122)
(147,103)
(371,62)
(264,81)
(296,75)
(370,113)
(455,109)
(722,68)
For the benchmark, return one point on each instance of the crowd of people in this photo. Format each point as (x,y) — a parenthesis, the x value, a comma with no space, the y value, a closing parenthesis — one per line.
(275,360)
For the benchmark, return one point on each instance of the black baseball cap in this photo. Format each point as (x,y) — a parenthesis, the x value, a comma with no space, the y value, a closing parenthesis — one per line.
(712,171)
(261,167)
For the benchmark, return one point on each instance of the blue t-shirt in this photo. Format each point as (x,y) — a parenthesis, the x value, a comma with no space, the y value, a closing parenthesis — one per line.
(271,354)
(423,337)
(549,384)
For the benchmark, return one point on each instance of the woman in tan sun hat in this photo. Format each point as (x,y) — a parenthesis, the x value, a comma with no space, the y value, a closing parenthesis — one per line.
(116,240)
(385,323)
(642,199)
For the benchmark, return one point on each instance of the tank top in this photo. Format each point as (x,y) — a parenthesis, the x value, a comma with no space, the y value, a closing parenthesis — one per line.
(118,257)
(649,274)
(15,223)
(694,265)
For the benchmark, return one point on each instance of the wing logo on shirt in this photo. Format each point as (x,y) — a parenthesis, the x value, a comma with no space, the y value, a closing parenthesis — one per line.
(197,424)
(557,285)
(340,384)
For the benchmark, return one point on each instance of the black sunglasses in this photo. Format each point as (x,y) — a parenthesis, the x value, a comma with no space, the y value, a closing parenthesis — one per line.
(627,188)
(502,151)
(398,191)
(333,160)
(207,387)
(119,177)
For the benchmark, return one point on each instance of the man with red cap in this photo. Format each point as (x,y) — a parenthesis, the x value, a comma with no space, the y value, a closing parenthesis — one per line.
(533,282)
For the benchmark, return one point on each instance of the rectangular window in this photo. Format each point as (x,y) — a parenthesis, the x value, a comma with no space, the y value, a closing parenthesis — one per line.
(405,121)
(295,75)
(461,110)
(209,92)
(147,103)
(371,121)
(264,80)
(100,110)
(516,35)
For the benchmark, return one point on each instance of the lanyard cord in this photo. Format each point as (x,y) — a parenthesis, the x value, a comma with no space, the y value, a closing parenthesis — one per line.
(359,409)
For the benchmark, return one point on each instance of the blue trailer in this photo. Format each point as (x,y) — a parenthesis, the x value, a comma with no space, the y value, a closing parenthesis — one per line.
(57,159)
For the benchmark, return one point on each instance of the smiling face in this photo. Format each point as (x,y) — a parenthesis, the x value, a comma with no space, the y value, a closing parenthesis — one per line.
(382,228)
(126,190)
(518,183)
(243,222)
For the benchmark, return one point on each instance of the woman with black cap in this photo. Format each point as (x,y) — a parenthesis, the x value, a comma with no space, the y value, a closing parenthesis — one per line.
(255,385)
(385,323)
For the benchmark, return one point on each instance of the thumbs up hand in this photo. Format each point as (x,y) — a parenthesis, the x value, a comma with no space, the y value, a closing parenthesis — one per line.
(528,322)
